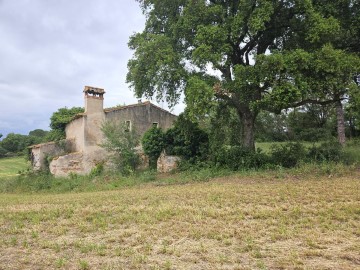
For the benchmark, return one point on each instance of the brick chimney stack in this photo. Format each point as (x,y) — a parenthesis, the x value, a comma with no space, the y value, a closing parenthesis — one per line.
(94,100)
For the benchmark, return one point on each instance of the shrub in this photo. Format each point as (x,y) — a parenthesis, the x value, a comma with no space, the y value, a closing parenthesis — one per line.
(237,157)
(187,139)
(314,134)
(153,144)
(97,170)
(287,155)
(328,151)
(2,152)
(121,143)
(15,143)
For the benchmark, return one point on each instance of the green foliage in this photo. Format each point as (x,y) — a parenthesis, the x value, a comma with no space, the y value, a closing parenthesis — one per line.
(121,143)
(16,143)
(38,182)
(30,182)
(97,170)
(224,127)
(347,14)
(153,144)
(2,152)
(39,133)
(352,151)
(182,39)
(352,113)
(311,123)
(37,136)
(287,155)
(270,127)
(55,135)
(327,151)
(187,139)
(270,55)
(240,158)
(13,142)
(331,72)
(60,119)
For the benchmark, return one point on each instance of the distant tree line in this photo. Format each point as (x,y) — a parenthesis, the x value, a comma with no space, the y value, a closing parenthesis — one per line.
(17,144)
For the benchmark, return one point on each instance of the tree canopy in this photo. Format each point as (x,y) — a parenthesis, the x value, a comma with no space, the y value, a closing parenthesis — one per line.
(59,120)
(242,53)
(63,116)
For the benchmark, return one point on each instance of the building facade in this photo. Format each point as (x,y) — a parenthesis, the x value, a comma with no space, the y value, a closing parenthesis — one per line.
(81,150)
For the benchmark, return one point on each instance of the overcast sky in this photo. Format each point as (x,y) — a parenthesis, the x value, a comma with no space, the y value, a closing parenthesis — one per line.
(51,49)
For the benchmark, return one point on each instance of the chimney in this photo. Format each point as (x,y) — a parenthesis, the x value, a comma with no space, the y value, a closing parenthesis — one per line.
(94,99)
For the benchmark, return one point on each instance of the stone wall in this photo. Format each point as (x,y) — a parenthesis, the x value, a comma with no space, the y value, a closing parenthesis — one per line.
(42,152)
(84,137)
(61,166)
(166,163)
(142,116)
(75,131)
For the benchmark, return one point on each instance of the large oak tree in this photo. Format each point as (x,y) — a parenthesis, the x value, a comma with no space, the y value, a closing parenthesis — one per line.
(222,50)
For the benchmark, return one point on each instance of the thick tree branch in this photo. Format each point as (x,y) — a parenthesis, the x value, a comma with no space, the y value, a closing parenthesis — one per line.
(315,101)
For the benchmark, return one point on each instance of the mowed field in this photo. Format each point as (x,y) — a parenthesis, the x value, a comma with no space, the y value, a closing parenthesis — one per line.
(12,166)
(234,222)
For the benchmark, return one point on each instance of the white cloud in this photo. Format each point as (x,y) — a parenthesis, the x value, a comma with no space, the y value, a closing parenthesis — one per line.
(51,49)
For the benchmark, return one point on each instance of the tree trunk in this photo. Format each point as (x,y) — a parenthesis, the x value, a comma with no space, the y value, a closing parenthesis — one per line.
(340,123)
(247,118)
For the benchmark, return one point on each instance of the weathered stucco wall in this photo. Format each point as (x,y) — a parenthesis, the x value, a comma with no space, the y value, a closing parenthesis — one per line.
(83,149)
(93,104)
(142,116)
(93,121)
(42,152)
(63,165)
(93,135)
(75,131)
(166,163)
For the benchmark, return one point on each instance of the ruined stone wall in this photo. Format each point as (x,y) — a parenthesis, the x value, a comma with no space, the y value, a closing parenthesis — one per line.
(142,117)
(84,136)
(167,163)
(87,134)
(71,163)
(42,153)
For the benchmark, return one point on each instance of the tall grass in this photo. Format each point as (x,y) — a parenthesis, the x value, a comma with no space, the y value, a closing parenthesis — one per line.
(352,151)
(266,146)
(45,183)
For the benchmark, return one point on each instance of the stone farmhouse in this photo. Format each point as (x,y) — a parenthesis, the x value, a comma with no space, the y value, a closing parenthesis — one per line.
(81,150)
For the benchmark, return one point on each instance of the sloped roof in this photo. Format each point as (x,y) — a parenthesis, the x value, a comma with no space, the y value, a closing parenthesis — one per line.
(136,105)
(41,144)
(92,90)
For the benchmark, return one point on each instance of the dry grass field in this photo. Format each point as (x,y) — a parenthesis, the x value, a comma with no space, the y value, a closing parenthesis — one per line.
(227,223)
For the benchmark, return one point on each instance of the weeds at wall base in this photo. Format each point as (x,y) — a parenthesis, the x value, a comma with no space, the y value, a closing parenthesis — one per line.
(100,181)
